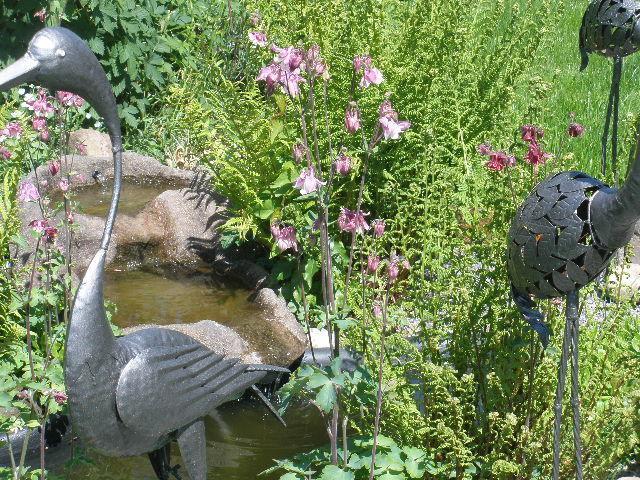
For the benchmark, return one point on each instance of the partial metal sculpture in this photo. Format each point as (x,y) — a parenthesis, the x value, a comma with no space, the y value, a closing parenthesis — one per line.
(134,394)
(610,28)
(563,236)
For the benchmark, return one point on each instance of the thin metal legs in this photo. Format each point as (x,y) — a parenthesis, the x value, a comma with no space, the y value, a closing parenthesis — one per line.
(612,108)
(569,342)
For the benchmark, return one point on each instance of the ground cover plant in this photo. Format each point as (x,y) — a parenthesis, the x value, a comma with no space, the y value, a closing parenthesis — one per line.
(453,384)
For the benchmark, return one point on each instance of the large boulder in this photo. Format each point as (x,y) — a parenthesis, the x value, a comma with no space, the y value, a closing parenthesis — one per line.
(176,229)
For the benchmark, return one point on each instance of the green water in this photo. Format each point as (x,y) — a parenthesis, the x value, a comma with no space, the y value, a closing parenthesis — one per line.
(242,440)
(95,199)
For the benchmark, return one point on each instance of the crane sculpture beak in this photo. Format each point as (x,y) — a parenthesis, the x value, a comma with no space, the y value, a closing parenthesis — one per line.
(21,71)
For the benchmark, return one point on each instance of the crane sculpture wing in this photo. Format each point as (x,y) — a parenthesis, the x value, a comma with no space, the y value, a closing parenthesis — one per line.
(162,389)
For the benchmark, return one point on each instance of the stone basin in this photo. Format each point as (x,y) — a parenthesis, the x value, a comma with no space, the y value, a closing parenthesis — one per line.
(167,231)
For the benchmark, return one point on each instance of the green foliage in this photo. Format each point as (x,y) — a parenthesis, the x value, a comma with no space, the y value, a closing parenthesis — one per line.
(392,463)
(141,44)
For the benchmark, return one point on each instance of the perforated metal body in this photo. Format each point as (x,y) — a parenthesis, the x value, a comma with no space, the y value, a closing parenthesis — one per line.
(552,249)
(610,28)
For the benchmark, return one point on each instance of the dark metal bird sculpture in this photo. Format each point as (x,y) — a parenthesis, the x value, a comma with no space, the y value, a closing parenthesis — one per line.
(610,28)
(564,235)
(134,394)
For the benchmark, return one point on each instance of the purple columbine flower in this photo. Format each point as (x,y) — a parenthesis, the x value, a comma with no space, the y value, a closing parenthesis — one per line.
(285,237)
(315,63)
(352,221)
(370,74)
(40,104)
(63,185)
(290,58)
(535,155)
(39,124)
(50,234)
(307,182)
(5,153)
(377,309)
(575,130)
(259,39)
(484,149)
(352,117)
(54,168)
(498,161)
(291,83)
(80,147)
(343,164)
(27,192)
(378,227)
(271,75)
(531,133)
(391,127)
(373,262)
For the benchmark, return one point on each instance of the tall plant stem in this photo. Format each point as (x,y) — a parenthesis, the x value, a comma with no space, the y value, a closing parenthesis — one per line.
(28,317)
(305,305)
(376,423)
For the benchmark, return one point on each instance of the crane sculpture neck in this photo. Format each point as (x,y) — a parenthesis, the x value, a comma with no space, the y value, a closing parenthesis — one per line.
(614,212)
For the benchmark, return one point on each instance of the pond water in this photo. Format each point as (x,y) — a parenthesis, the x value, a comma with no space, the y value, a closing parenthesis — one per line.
(163,298)
(95,199)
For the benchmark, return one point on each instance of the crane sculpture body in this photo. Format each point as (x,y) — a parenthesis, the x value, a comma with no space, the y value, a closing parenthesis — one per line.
(134,394)
(610,28)
(562,237)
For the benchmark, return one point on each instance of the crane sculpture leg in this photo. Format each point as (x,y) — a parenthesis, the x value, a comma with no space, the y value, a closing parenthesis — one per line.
(612,110)
(569,342)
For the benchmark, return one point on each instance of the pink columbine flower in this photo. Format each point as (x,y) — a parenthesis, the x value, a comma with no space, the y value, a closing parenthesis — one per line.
(39,124)
(377,309)
(12,130)
(5,153)
(40,104)
(343,164)
(69,99)
(397,264)
(41,15)
(307,182)
(27,192)
(352,221)
(378,228)
(38,225)
(285,237)
(352,117)
(259,39)
(535,155)
(498,161)
(54,168)
(23,394)
(531,133)
(59,397)
(370,74)
(299,152)
(290,58)
(291,84)
(44,135)
(271,75)
(373,262)
(575,130)
(63,185)
(391,127)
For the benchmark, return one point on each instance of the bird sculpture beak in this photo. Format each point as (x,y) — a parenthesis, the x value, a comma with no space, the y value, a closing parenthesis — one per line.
(19,72)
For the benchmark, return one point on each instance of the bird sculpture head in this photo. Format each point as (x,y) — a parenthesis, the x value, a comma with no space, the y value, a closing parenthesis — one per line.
(610,28)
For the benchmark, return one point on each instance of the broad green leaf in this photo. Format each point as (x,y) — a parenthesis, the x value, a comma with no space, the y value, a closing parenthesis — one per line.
(265,210)
(326,398)
(318,379)
(331,472)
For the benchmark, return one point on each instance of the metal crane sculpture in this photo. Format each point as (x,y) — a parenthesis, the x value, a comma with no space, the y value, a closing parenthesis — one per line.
(562,237)
(134,394)
(610,28)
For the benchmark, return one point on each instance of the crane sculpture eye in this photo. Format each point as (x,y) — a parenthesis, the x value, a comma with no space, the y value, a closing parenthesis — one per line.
(60,53)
